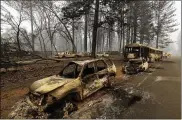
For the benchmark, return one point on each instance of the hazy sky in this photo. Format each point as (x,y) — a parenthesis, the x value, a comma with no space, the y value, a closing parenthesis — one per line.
(174,36)
(178,16)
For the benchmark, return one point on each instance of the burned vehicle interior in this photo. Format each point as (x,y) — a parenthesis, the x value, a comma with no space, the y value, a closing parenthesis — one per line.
(91,71)
(134,50)
(91,68)
(135,62)
(72,70)
(133,66)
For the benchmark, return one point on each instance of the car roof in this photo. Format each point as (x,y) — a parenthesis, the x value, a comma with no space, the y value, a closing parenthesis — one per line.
(82,62)
(141,45)
(135,45)
(135,60)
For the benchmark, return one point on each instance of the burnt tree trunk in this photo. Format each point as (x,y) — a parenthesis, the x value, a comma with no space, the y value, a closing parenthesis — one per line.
(141,39)
(135,31)
(157,40)
(135,24)
(31,15)
(18,39)
(158,30)
(85,35)
(41,46)
(73,34)
(132,34)
(102,43)
(109,36)
(95,28)
(121,36)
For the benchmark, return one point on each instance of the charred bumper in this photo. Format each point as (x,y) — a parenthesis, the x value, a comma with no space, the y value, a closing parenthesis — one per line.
(132,69)
(36,100)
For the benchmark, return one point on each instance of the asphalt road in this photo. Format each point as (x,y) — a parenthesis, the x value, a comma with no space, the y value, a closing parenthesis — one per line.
(162,86)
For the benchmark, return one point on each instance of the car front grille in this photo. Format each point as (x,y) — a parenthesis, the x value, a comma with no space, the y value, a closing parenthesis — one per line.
(129,68)
(35,99)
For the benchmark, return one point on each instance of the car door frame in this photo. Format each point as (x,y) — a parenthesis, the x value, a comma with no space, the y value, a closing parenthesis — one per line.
(106,74)
(83,84)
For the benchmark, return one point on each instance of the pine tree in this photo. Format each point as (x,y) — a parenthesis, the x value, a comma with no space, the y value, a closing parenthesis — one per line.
(164,21)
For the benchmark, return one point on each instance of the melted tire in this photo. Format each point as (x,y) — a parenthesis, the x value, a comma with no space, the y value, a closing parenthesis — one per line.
(110,82)
(63,112)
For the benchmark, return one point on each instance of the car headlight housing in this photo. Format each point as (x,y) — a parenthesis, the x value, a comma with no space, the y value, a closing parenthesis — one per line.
(36,99)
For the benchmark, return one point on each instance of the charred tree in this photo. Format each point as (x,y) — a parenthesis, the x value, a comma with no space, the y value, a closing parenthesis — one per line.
(85,34)
(95,26)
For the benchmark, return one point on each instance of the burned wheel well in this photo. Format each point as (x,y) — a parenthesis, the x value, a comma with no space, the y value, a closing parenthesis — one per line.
(59,103)
(75,96)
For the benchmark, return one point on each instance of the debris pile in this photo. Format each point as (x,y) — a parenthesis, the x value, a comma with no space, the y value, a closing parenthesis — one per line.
(111,104)
(23,110)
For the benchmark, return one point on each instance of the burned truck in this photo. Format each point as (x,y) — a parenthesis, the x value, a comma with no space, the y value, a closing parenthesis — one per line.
(78,79)
(134,66)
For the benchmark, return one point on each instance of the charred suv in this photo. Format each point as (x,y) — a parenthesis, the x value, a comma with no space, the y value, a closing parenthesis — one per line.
(79,79)
(135,66)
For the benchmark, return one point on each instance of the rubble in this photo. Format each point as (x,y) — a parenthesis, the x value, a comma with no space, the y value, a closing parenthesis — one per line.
(111,104)
(23,110)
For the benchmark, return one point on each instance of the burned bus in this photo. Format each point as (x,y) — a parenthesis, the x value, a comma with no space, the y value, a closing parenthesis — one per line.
(135,51)
(140,51)
(155,54)
(159,54)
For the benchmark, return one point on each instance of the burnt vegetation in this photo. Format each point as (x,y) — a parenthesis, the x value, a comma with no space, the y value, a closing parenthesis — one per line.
(107,25)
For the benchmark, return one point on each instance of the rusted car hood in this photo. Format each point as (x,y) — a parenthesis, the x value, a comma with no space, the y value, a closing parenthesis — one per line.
(48,84)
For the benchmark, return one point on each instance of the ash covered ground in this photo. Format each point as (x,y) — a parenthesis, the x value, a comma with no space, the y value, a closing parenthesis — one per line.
(131,96)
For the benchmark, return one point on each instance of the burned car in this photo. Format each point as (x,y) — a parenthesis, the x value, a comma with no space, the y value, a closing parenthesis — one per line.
(70,54)
(135,66)
(67,54)
(104,54)
(83,54)
(59,55)
(78,79)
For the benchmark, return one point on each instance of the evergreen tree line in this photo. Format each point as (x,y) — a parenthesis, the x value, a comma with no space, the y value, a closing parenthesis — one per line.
(88,25)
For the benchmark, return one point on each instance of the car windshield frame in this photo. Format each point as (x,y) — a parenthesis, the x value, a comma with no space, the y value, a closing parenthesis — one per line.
(135,62)
(71,63)
(132,49)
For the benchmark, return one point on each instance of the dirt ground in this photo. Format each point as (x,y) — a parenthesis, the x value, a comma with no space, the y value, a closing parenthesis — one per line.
(132,96)
(14,84)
